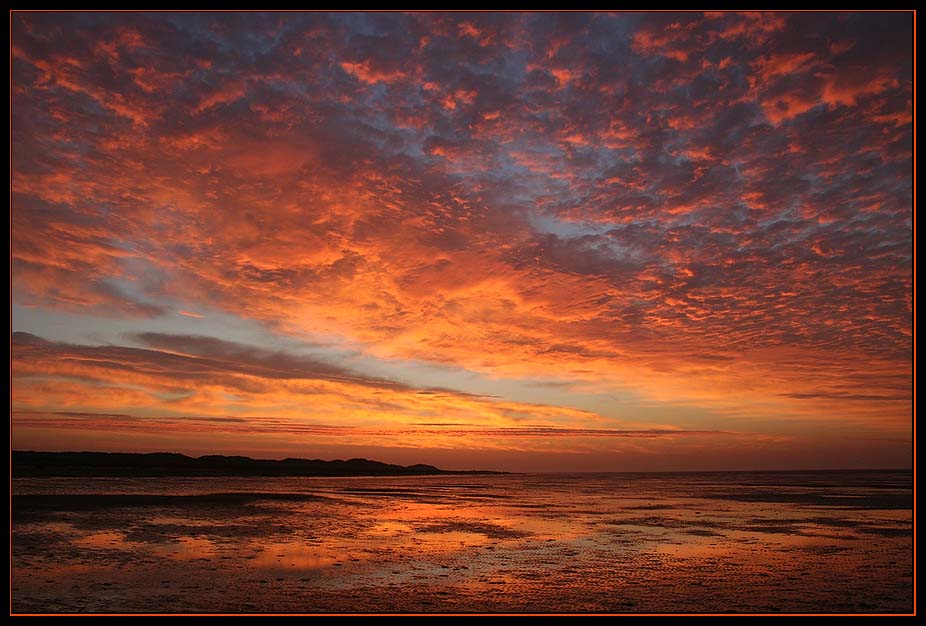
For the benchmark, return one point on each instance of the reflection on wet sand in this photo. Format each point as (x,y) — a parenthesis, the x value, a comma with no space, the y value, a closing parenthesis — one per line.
(602,543)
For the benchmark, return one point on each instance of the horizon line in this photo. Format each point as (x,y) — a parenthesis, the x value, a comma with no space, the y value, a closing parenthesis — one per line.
(672,471)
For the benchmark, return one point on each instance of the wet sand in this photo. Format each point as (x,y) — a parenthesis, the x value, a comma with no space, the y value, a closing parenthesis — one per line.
(614,543)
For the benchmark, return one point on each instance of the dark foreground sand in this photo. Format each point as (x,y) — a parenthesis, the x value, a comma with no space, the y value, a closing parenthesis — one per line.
(745,542)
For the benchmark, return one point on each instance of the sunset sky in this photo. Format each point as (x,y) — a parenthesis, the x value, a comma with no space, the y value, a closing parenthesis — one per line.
(513,241)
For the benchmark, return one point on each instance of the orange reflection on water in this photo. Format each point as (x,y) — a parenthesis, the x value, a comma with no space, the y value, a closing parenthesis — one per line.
(108,539)
(295,555)
(186,549)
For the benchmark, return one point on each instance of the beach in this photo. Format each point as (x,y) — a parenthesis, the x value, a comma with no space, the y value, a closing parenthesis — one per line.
(601,543)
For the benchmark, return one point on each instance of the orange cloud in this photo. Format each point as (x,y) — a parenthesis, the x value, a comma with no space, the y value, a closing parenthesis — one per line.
(363,72)
(714,214)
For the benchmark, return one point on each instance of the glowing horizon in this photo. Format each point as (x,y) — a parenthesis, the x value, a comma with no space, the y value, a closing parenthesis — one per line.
(487,240)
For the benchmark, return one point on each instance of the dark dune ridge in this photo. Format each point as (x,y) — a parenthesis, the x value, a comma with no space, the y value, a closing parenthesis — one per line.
(36,464)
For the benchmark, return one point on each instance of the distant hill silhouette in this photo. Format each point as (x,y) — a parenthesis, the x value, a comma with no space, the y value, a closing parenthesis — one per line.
(35,464)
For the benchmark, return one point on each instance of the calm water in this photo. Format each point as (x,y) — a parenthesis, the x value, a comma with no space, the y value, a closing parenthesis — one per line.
(713,542)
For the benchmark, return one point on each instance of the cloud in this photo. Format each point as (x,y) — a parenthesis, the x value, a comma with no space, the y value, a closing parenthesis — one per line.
(252,361)
(848,396)
(72,419)
(274,431)
(713,209)
(224,382)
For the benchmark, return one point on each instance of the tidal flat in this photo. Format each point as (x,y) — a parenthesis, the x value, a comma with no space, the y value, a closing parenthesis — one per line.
(744,542)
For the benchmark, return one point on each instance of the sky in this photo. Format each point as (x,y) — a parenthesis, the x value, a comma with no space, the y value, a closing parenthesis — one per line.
(518,241)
